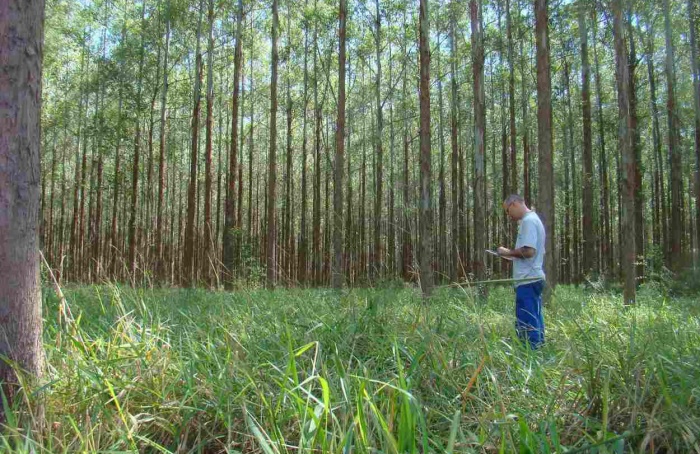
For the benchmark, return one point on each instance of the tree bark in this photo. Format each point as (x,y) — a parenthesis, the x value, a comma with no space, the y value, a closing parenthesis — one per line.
(339,165)
(208,266)
(160,269)
(303,244)
(21,54)
(271,253)
(480,213)
(624,133)
(674,148)
(426,214)
(229,218)
(457,260)
(589,228)
(637,153)
(188,258)
(545,198)
(511,104)
(137,153)
(695,68)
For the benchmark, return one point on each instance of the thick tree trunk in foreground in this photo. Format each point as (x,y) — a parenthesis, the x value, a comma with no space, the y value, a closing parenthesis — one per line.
(21,53)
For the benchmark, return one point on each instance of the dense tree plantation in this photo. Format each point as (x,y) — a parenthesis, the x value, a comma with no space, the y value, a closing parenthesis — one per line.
(208,143)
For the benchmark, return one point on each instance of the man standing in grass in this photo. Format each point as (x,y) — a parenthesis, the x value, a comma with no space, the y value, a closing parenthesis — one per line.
(528,270)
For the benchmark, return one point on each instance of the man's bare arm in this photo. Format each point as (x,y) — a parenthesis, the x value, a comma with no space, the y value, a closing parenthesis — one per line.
(525,252)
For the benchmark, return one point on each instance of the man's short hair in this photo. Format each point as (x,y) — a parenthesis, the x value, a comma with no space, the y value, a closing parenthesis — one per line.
(514,198)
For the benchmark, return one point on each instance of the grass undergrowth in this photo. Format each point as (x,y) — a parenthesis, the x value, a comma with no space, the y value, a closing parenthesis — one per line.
(362,371)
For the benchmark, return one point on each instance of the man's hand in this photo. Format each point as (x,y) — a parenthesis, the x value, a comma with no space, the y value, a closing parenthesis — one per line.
(503,252)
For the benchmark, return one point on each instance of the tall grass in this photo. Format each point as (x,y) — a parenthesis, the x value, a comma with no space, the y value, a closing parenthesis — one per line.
(362,371)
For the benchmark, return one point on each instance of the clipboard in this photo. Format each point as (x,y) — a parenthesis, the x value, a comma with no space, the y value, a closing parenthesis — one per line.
(497,255)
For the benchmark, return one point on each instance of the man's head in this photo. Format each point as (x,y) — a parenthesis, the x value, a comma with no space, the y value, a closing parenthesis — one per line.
(515,207)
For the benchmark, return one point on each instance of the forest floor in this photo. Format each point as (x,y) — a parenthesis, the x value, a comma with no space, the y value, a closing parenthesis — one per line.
(172,370)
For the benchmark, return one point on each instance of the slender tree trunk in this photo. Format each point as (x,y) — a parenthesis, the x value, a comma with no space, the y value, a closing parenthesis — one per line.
(511,104)
(271,254)
(480,213)
(696,98)
(544,139)
(377,252)
(208,268)
(426,215)
(239,207)
(391,240)
(188,258)
(407,253)
(160,267)
(457,262)
(251,148)
(637,152)
(316,235)
(676,257)
(525,100)
(137,153)
(565,255)
(21,53)
(303,244)
(338,276)
(606,237)
(589,228)
(114,251)
(626,154)
(288,238)
(443,264)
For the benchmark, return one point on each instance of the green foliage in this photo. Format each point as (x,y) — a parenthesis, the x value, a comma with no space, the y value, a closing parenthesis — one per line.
(300,370)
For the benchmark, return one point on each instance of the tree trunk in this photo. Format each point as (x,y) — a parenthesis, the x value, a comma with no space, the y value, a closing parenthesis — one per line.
(271,254)
(377,251)
(426,214)
(544,139)
(391,227)
(624,133)
(251,148)
(160,269)
(637,152)
(208,252)
(442,261)
(589,228)
(339,154)
(695,68)
(21,53)
(676,256)
(407,253)
(480,213)
(316,235)
(606,237)
(303,244)
(511,104)
(457,263)
(229,219)
(137,153)
(188,258)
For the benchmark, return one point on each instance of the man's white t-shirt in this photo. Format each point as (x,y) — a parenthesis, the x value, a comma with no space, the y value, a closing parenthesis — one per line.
(530,234)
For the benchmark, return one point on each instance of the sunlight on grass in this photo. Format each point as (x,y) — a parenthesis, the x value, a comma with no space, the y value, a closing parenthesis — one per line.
(362,371)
